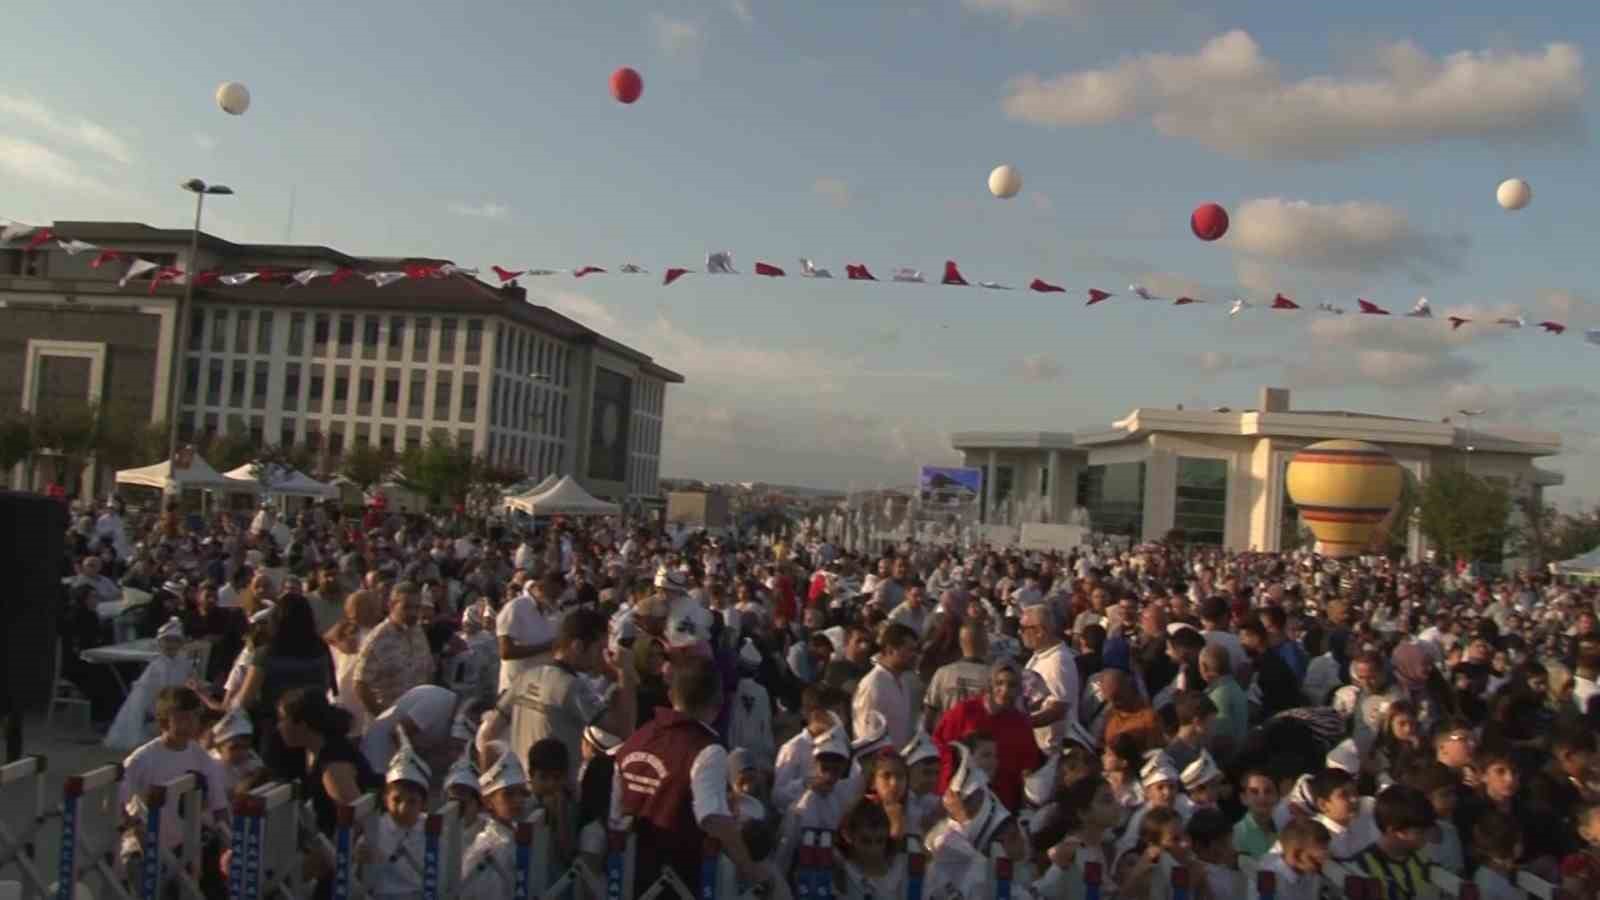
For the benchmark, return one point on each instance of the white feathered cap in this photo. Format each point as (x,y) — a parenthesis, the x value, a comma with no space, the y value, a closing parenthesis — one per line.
(831,743)
(875,736)
(1345,756)
(968,778)
(986,823)
(236,724)
(406,765)
(262,614)
(463,772)
(605,740)
(921,747)
(1040,784)
(1158,767)
(748,654)
(507,772)
(1200,772)
(171,631)
(1299,795)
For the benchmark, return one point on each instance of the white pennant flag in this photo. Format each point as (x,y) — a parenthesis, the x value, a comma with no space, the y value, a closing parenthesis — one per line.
(538,272)
(631,269)
(135,269)
(13,230)
(306,276)
(908,275)
(720,263)
(994,285)
(1142,292)
(73,248)
(1514,322)
(809,269)
(1421,311)
(453,269)
(1330,308)
(384,279)
(239,279)
(1239,306)
(1592,336)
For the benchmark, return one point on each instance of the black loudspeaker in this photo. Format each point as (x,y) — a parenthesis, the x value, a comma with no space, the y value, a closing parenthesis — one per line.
(32,534)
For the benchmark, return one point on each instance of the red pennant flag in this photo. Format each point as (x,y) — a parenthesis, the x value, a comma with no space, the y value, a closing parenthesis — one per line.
(1282,302)
(40,237)
(768,270)
(418,271)
(588,270)
(267,274)
(1045,287)
(952,274)
(673,275)
(1457,322)
(1553,327)
(208,277)
(165,273)
(1096,295)
(1370,309)
(103,257)
(506,275)
(1185,301)
(858,272)
(342,275)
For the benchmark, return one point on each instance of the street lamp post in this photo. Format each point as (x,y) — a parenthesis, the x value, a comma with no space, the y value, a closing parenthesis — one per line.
(181,328)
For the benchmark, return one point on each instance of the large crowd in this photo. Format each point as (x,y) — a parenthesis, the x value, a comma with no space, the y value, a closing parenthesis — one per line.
(1109,713)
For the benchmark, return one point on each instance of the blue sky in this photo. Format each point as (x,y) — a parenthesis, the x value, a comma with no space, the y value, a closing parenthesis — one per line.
(1358,146)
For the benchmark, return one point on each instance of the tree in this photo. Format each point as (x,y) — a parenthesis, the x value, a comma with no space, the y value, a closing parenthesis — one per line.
(440,471)
(127,438)
(299,457)
(1393,537)
(65,434)
(1464,516)
(489,482)
(226,452)
(16,442)
(366,465)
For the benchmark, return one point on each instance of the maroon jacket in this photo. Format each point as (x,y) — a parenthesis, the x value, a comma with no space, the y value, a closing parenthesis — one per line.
(653,775)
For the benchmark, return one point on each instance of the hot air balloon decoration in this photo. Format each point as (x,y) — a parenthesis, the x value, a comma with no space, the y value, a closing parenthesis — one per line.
(1345,491)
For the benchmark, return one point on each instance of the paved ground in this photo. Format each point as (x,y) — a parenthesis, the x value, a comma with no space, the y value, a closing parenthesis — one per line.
(69,750)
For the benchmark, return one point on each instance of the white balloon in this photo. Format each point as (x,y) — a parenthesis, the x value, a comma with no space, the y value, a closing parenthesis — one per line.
(1513,193)
(1005,182)
(233,97)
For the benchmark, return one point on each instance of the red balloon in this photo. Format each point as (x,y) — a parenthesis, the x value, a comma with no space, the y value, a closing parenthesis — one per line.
(626,85)
(1209,222)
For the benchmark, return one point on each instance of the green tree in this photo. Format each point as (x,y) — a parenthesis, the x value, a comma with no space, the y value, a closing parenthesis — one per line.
(127,438)
(442,471)
(1462,515)
(366,465)
(226,452)
(300,457)
(489,483)
(64,436)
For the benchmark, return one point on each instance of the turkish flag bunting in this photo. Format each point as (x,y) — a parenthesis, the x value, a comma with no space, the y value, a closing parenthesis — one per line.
(209,276)
(165,273)
(588,270)
(267,274)
(1185,301)
(1045,287)
(506,275)
(40,238)
(1096,295)
(857,272)
(343,275)
(769,270)
(1458,321)
(1282,302)
(103,257)
(1553,327)
(1370,309)
(952,274)
(673,275)
(419,271)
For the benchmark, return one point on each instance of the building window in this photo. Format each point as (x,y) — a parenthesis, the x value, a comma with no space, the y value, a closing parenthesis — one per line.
(291,386)
(258,393)
(419,346)
(319,335)
(474,349)
(236,386)
(297,334)
(447,340)
(413,438)
(191,380)
(314,390)
(336,439)
(441,397)
(347,335)
(500,347)
(219,331)
(241,332)
(264,333)
(469,397)
(464,439)
(258,431)
(286,432)
(210,427)
(369,337)
(363,435)
(1114,496)
(494,402)
(386,438)
(391,393)
(341,390)
(214,382)
(1202,500)
(416,397)
(314,437)
(197,328)
(397,336)
(364,394)
(1044,481)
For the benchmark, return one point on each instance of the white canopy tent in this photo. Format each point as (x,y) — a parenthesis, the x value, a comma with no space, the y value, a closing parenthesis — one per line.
(1585,566)
(565,498)
(191,474)
(283,480)
(514,494)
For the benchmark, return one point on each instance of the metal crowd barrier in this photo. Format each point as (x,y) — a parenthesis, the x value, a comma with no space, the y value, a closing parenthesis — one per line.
(22,818)
(91,836)
(173,863)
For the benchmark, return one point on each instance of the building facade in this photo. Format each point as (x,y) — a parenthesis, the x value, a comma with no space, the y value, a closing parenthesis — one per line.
(1220,475)
(329,365)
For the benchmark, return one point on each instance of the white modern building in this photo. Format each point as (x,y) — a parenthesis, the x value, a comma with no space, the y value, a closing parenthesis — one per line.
(332,365)
(1219,475)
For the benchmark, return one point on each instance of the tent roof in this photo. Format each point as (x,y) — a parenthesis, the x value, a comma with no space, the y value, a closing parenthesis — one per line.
(535,490)
(565,498)
(283,480)
(1588,562)
(197,475)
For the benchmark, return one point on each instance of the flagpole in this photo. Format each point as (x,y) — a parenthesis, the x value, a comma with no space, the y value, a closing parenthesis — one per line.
(180,328)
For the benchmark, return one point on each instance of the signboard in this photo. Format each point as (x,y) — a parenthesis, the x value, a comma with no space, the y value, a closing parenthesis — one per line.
(949,488)
(608,426)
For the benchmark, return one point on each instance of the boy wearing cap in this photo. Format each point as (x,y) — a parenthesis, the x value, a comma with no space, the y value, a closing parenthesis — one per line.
(823,803)
(488,868)
(233,747)
(392,851)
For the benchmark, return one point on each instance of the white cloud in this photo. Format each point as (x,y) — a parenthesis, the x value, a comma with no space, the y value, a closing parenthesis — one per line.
(584,310)
(485,210)
(27,161)
(1031,9)
(73,130)
(676,37)
(741,11)
(1387,368)
(1340,237)
(833,190)
(1231,98)
(205,142)
(1038,367)
(1565,303)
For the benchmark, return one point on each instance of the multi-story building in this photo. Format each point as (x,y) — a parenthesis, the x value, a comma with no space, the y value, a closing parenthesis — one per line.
(329,364)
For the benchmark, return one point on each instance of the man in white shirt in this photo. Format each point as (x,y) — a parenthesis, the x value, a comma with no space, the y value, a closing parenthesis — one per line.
(1057,668)
(884,688)
(526,636)
(912,612)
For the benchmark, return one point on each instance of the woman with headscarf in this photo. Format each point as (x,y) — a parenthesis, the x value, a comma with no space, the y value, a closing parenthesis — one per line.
(1419,679)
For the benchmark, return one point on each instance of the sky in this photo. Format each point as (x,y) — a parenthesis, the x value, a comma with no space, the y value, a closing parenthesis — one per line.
(1356,145)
